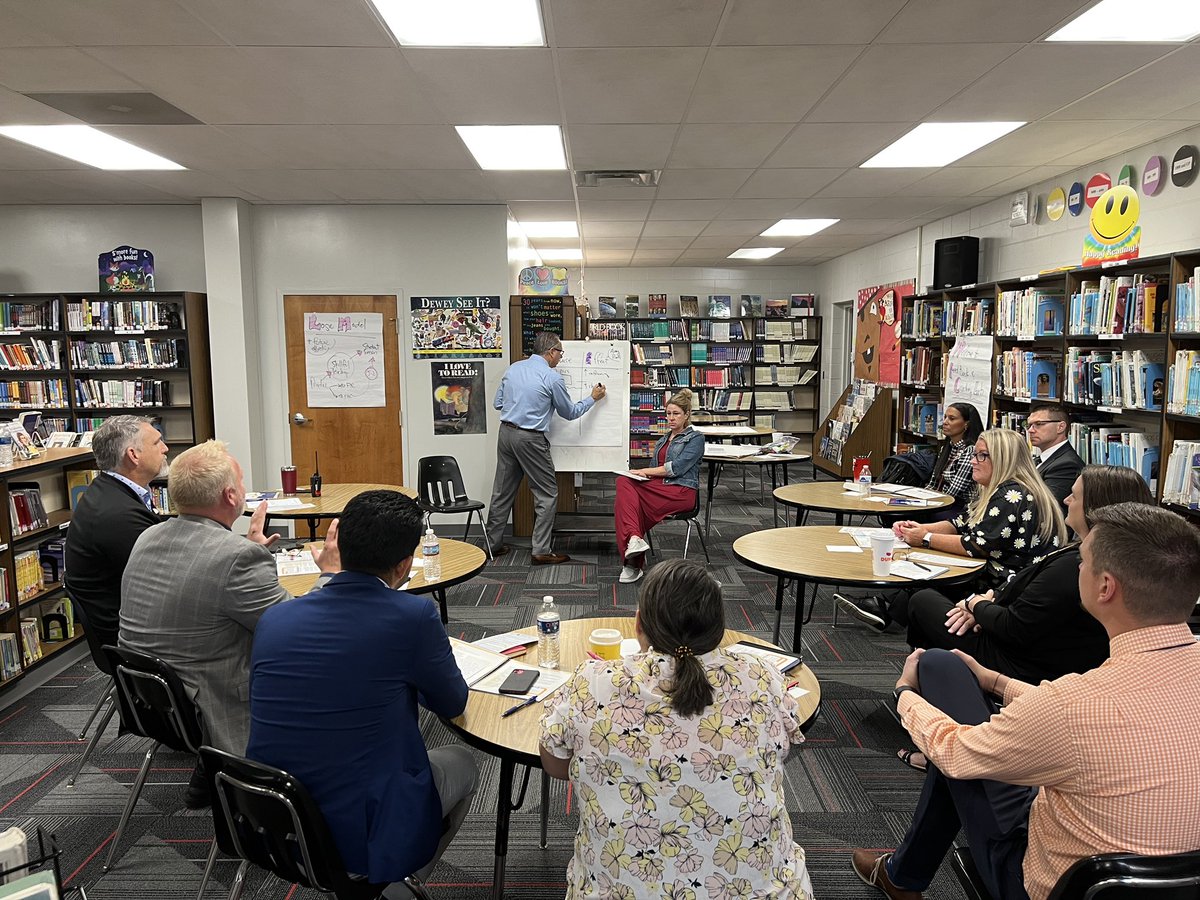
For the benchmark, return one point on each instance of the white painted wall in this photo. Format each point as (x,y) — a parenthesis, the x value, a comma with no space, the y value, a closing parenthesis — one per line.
(1170,222)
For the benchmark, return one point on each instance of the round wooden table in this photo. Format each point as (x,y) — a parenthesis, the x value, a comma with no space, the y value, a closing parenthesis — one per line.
(717,461)
(831,496)
(515,739)
(460,562)
(800,554)
(329,505)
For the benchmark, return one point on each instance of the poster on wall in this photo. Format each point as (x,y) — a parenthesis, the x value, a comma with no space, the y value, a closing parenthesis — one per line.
(456,327)
(540,314)
(545,281)
(459,402)
(343,359)
(1113,232)
(969,373)
(126,270)
(877,337)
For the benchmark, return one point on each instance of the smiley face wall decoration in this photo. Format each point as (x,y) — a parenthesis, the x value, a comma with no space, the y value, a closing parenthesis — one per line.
(1113,233)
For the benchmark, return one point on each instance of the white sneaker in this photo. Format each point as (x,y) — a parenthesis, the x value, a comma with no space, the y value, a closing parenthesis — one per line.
(629,575)
(636,546)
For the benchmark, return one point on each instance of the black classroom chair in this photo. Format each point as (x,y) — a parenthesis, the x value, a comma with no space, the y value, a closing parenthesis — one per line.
(441,490)
(692,517)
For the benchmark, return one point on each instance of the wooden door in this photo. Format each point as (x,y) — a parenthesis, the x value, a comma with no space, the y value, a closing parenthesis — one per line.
(356,444)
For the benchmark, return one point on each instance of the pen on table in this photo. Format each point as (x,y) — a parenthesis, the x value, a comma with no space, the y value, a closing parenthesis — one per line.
(594,655)
(520,706)
(792,685)
(917,564)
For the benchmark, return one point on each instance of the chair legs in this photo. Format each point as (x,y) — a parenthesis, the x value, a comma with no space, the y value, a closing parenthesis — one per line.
(208,867)
(487,541)
(417,887)
(700,534)
(133,799)
(105,697)
(87,754)
(239,881)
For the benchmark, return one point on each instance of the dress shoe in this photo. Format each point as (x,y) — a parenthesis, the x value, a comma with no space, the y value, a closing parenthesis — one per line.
(867,610)
(636,547)
(197,795)
(550,559)
(629,575)
(501,550)
(872,870)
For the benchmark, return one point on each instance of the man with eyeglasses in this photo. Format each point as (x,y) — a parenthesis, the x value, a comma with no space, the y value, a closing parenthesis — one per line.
(530,393)
(1057,462)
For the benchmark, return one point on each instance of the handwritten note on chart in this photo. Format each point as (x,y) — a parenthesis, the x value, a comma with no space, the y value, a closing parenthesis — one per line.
(584,365)
(969,373)
(343,359)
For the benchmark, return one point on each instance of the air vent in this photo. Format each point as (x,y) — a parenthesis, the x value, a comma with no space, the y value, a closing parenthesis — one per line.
(638,177)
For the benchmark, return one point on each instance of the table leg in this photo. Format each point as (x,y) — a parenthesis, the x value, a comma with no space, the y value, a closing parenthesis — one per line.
(440,594)
(505,805)
(798,631)
(545,807)
(712,484)
(778,609)
(313,522)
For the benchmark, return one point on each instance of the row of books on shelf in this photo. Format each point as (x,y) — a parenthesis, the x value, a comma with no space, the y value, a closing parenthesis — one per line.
(1183,384)
(21,316)
(661,376)
(926,318)
(1103,444)
(785,353)
(1029,312)
(768,354)
(643,424)
(1028,374)
(37,354)
(1118,379)
(720,306)
(641,449)
(48,393)
(724,376)
(25,508)
(122,392)
(841,425)
(1181,483)
(783,375)
(921,414)
(1122,304)
(1187,307)
(117,315)
(146,353)
(721,353)
(923,365)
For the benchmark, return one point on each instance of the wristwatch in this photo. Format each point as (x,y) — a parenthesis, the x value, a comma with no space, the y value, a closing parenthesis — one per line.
(927,539)
(900,690)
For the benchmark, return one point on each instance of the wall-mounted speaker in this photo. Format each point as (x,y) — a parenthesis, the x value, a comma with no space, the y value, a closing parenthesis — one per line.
(955,262)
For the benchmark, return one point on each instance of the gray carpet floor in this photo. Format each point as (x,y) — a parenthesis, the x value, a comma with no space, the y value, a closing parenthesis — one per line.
(845,787)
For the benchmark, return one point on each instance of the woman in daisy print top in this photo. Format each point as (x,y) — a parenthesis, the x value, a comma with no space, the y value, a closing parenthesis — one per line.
(676,758)
(1013,520)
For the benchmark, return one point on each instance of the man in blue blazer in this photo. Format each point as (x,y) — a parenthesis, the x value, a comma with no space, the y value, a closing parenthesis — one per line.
(335,679)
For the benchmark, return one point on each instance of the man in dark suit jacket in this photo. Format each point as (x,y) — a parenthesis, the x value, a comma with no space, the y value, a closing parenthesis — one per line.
(110,516)
(1059,464)
(335,679)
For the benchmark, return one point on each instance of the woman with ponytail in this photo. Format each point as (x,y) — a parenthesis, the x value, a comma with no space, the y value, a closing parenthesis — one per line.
(675,755)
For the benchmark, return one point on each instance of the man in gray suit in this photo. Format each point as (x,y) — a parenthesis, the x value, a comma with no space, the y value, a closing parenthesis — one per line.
(193,591)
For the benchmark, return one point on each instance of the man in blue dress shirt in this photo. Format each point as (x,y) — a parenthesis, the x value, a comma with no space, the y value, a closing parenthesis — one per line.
(335,680)
(530,393)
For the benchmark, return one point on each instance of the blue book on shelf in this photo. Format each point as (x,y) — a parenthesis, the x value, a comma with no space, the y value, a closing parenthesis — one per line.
(1149,468)
(1043,379)
(1153,385)
(1050,315)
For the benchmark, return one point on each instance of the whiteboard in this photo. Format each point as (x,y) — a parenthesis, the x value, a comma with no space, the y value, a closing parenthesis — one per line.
(598,441)
(343,357)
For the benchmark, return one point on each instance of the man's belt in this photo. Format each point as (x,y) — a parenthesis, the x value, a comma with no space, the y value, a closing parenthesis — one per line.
(519,428)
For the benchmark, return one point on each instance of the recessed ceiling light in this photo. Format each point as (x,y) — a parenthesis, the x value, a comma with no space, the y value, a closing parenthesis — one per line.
(562,253)
(463,23)
(85,144)
(550,229)
(798,227)
(755,253)
(935,144)
(1148,21)
(514,146)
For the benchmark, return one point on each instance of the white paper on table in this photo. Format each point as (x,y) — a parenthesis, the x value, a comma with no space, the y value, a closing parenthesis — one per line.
(277,505)
(862,536)
(725,430)
(498,643)
(905,569)
(296,562)
(549,680)
(919,493)
(731,451)
(473,662)
(958,562)
(840,549)
(797,692)
(634,475)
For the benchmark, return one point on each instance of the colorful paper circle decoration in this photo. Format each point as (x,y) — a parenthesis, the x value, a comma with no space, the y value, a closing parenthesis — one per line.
(1075,199)
(1056,204)
(1126,176)
(1152,176)
(1096,186)
(1183,166)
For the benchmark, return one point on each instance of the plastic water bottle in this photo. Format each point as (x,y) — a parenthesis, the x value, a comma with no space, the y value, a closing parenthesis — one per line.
(547,624)
(864,481)
(431,553)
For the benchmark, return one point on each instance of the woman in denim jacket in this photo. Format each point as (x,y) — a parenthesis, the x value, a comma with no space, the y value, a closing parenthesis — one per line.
(671,488)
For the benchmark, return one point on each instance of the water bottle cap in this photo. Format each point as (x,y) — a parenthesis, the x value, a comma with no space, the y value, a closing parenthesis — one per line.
(547,599)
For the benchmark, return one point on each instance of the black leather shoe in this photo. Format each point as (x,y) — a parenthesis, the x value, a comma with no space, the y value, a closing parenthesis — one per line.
(197,795)
(550,559)
(868,610)
(501,550)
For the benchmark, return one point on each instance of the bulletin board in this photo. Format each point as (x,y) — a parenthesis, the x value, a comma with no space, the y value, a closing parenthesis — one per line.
(598,441)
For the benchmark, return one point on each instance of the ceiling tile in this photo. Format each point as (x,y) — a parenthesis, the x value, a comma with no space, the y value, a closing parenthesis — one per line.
(1168,84)
(113,23)
(701,184)
(959,182)
(604,258)
(757,209)
(620,146)
(873,182)
(357,146)
(530,185)
(477,86)
(1040,143)
(618,244)
(614,210)
(779,22)
(93,186)
(900,83)
(633,23)
(280,186)
(593,230)
(787,183)
(1118,143)
(725,147)
(654,258)
(834,208)
(737,228)
(627,85)
(663,243)
(866,227)
(686,209)
(17,31)
(18,109)
(195,146)
(446,185)
(845,144)
(907,207)
(1030,177)
(713,242)
(371,186)
(542,211)
(192,186)
(58,69)
(614,190)
(765,84)
(292,23)
(674,229)
(978,21)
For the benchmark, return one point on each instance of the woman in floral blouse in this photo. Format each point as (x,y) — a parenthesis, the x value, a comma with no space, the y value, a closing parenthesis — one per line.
(1012,522)
(676,757)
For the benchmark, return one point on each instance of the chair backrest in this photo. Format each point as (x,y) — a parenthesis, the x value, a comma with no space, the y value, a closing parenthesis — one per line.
(267,817)
(95,647)
(1129,876)
(153,701)
(439,480)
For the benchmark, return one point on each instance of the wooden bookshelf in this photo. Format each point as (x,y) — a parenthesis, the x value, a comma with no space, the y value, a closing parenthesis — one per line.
(871,437)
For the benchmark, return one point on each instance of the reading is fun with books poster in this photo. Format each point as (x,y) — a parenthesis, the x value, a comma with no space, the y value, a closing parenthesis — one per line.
(458,398)
(877,334)
(455,327)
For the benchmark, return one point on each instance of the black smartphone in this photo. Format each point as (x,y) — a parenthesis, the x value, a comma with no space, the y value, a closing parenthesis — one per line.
(519,681)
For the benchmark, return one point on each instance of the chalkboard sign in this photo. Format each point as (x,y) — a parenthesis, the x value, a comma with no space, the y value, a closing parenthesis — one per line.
(539,314)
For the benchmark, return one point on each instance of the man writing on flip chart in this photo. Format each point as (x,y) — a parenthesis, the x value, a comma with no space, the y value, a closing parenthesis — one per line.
(530,393)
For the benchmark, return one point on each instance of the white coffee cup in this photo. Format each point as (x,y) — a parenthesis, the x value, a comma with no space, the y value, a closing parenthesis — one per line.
(881,554)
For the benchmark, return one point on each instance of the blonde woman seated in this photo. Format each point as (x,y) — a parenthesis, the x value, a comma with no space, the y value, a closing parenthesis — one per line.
(672,486)
(1013,521)
(676,758)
